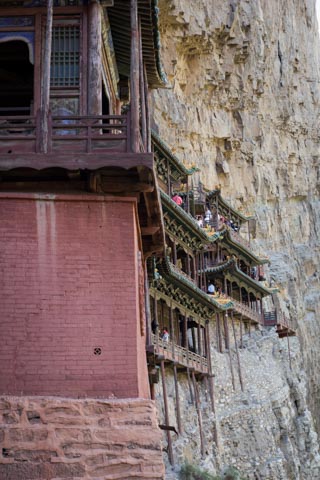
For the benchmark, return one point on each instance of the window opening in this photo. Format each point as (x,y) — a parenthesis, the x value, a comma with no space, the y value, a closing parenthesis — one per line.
(16,79)
(65,57)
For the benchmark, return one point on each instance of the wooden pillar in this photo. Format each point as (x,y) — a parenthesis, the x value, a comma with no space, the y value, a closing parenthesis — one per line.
(210,372)
(198,408)
(147,100)
(219,335)
(45,98)
(94,59)
(194,268)
(190,388)
(188,265)
(166,413)
(199,350)
(237,351)
(188,199)
(147,306)
(134,77)
(289,352)
(171,330)
(142,96)
(226,329)
(174,252)
(176,386)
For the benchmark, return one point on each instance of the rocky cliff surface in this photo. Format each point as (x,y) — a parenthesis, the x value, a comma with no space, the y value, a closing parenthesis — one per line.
(243,105)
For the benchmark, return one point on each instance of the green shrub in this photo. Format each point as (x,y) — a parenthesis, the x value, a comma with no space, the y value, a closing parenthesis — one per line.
(190,472)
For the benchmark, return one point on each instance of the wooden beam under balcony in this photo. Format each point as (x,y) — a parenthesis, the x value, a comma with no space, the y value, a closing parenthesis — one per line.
(89,161)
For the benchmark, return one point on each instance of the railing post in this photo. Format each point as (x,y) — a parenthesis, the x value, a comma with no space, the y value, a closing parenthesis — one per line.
(128,130)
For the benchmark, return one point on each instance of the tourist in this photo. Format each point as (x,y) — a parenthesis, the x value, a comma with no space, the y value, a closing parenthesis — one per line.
(177,199)
(211,288)
(200,220)
(165,334)
(208,216)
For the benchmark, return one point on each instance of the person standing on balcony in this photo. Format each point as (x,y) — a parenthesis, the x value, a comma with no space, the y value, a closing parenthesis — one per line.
(211,288)
(208,217)
(165,334)
(177,199)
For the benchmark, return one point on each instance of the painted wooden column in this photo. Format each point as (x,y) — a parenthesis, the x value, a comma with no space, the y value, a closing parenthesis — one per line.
(134,77)
(45,98)
(94,59)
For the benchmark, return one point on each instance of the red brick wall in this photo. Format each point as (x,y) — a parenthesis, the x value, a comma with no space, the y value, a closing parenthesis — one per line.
(58,438)
(69,284)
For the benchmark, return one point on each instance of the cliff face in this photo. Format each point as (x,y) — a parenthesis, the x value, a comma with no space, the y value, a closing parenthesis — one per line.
(244,107)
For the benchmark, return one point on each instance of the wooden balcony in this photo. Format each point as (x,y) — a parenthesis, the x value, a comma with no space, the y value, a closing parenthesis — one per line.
(278,319)
(72,140)
(171,352)
(247,312)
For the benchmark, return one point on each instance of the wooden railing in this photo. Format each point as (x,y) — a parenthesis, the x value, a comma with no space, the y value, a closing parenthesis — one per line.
(67,134)
(248,312)
(175,353)
(277,318)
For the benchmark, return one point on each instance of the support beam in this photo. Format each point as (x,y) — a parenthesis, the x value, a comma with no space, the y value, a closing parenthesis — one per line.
(198,408)
(166,413)
(176,386)
(237,350)
(226,328)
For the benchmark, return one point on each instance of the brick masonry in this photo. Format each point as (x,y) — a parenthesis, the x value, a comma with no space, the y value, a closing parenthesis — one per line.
(69,284)
(60,438)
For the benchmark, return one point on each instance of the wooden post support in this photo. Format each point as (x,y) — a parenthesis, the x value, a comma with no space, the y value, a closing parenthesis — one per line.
(176,386)
(147,306)
(45,98)
(208,351)
(134,77)
(219,335)
(166,413)
(189,384)
(229,350)
(226,332)
(94,59)
(237,350)
(198,408)
(289,352)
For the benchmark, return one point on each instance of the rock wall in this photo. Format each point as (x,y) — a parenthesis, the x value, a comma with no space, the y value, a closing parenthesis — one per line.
(243,105)
(58,438)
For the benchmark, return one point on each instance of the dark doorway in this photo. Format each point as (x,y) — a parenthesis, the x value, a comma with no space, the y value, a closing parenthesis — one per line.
(16,79)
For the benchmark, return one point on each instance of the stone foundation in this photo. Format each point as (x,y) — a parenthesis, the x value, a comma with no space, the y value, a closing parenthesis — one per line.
(59,438)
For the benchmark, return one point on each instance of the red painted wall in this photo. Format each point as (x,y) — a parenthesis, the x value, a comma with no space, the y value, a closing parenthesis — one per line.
(69,271)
